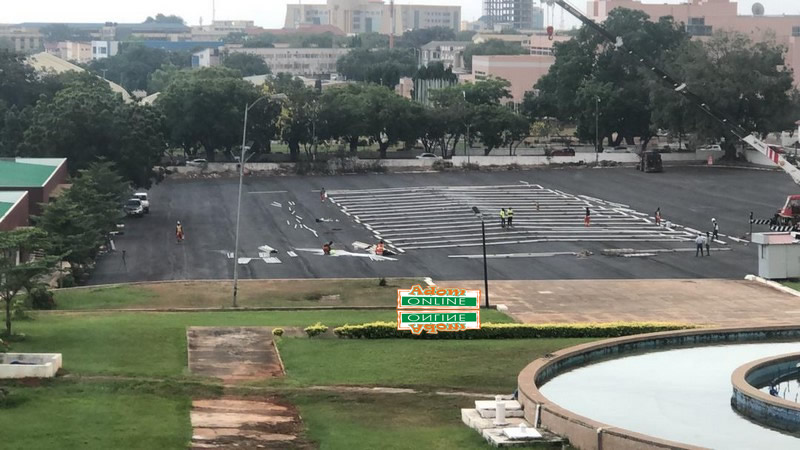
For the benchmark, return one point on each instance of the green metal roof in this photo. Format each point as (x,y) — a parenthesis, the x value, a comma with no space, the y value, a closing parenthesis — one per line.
(14,174)
(4,207)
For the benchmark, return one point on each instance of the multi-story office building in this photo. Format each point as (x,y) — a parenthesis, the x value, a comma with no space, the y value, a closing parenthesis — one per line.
(364,16)
(514,14)
(297,61)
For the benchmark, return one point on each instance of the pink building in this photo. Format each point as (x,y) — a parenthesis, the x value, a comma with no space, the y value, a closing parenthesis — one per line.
(522,71)
(703,17)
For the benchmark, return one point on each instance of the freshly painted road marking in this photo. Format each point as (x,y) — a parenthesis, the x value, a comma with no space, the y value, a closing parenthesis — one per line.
(515,255)
(268,192)
(292,254)
(439,217)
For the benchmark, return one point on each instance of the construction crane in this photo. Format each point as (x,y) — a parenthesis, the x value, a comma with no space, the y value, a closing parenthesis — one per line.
(683,89)
(391,14)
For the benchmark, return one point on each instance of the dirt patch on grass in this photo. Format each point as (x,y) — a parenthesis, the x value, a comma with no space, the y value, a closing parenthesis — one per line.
(231,422)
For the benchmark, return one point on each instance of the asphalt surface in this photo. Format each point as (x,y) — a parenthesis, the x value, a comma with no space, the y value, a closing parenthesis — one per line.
(275,210)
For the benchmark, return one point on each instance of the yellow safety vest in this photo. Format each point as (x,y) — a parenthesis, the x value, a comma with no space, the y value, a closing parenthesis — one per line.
(510,212)
(502,214)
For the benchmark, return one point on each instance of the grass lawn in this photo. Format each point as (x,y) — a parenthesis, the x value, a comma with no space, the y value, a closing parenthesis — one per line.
(252,293)
(383,421)
(154,344)
(472,365)
(89,416)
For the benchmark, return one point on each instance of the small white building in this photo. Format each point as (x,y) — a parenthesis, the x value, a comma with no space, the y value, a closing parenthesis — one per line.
(104,49)
(205,58)
(778,255)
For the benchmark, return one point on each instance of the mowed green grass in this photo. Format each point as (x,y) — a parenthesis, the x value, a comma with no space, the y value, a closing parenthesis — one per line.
(90,416)
(154,344)
(469,365)
(252,293)
(388,421)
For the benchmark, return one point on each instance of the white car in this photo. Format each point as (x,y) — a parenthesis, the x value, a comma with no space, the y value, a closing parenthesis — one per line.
(133,207)
(142,196)
(197,162)
(619,149)
(713,147)
(428,156)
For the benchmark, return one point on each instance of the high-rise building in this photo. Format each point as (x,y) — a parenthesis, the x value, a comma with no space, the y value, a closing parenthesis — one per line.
(514,14)
(364,16)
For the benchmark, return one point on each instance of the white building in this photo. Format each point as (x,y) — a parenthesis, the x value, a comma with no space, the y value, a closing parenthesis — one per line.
(205,58)
(104,49)
(298,61)
(449,53)
(220,29)
(363,16)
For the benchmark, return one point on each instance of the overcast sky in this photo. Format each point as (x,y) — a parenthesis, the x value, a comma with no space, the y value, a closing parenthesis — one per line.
(266,13)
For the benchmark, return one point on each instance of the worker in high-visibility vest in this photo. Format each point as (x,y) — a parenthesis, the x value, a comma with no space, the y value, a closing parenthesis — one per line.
(379,248)
(510,217)
(503,218)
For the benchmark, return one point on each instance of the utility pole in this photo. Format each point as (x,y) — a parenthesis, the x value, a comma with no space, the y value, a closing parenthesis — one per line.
(391,34)
(597,130)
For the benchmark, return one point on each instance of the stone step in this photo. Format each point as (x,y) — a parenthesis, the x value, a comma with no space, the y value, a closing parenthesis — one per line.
(488,408)
(472,418)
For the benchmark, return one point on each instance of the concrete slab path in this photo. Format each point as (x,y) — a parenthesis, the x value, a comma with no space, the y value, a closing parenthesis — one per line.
(233,354)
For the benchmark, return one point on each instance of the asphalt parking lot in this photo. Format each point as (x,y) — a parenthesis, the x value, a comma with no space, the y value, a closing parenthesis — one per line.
(428,215)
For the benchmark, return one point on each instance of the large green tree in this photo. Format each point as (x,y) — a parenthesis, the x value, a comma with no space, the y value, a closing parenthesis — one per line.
(379,66)
(421,36)
(492,47)
(205,108)
(85,122)
(246,64)
(18,270)
(588,68)
(132,67)
(342,114)
(746,82)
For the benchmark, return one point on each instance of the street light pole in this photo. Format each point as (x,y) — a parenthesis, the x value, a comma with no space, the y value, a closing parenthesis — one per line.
(485,266)
(239,201)
(597,130)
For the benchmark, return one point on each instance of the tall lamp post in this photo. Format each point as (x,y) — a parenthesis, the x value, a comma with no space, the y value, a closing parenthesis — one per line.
(597,130)
(239,201)
(485,267)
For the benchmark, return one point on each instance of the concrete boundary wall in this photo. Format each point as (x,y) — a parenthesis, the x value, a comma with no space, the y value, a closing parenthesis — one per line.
(457,161)
(759,406)
(587,434)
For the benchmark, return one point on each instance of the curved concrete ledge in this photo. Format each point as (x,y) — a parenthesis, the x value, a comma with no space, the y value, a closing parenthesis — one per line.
(588,434)
(762,408)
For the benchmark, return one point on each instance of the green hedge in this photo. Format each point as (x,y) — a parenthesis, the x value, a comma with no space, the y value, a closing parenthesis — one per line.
(388,330)
(316,329)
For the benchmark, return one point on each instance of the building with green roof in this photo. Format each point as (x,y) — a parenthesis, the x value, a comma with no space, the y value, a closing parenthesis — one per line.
(39,177)
(13,210)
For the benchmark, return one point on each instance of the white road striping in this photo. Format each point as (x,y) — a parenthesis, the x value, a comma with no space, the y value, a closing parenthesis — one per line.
(268,192)
(515,255)
(436,217)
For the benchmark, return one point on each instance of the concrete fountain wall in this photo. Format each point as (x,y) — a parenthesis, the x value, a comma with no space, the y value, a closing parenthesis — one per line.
(759,406)
(588,434)
(31,365)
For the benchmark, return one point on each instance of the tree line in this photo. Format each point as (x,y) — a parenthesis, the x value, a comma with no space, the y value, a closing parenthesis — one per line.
(747,82)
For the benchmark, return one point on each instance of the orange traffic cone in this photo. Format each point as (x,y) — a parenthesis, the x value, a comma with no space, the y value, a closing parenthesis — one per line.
(710,160)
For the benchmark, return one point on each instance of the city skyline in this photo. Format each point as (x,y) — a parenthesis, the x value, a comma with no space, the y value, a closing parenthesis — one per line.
(265,16)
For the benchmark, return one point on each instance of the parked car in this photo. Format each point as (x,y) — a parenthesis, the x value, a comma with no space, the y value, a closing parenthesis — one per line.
(133,207)
(618,149)
(142,196)
(428,156)
(713,147)
(563,152)
(197,162)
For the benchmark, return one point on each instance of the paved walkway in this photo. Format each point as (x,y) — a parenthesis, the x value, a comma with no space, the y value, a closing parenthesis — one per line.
(712,302)
(246,424)
(233,354)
